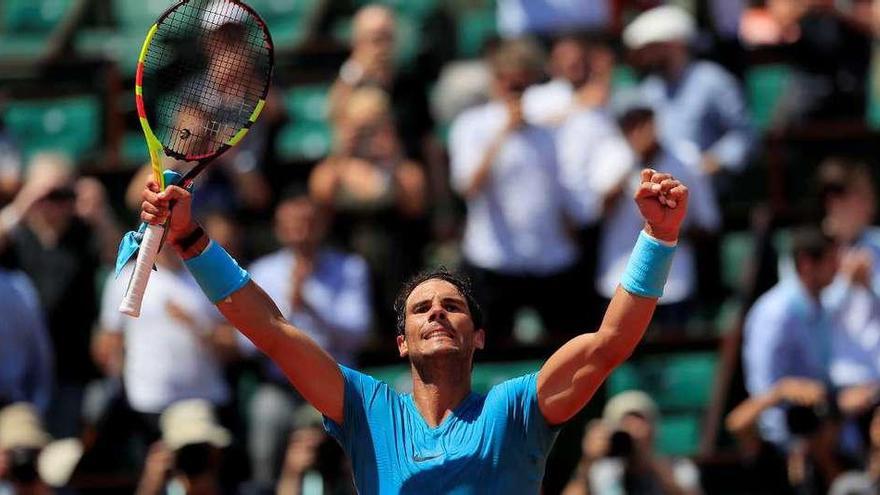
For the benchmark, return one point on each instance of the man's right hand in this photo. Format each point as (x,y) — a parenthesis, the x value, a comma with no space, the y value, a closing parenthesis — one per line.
(800,391)
(157,208)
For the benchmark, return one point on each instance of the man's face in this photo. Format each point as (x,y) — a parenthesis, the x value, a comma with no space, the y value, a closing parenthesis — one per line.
(374,43)
(853,210)
(820,272)
(297,223)
(569,61)
(438,323)
(510,85)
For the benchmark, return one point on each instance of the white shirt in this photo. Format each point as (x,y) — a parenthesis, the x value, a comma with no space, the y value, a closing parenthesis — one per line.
(165,359)
(623,223)
(550,103)
(519,17)
(516,224)
(338,292)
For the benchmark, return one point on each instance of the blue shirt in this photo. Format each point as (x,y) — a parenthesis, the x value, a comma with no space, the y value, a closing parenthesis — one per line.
(493,443)
(787,334)
(706,107)
(26,362)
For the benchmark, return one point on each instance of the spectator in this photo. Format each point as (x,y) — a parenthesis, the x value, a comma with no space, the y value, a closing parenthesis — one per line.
(619,456)
(581,77)
(58,230)
(623,220)
(26,359)
(517,244)
(188,457)
(314,463)
(377,195)
(788,332)
(170,352)
(814,455)
(697,101)
(22,437)
(847,191)
(372,64)
(318,288)
(548,17)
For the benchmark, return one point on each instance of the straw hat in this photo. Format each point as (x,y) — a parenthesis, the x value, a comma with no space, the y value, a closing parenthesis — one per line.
(21,427)
(190,422)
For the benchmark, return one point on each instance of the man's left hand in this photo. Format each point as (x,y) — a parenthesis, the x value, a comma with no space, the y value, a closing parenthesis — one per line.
(662,201)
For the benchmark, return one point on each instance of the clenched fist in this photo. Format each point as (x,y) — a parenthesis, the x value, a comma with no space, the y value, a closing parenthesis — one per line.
(662,201)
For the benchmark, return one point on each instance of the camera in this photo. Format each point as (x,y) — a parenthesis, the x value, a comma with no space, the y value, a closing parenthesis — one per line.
(805,421)
(23,465)
(621,444)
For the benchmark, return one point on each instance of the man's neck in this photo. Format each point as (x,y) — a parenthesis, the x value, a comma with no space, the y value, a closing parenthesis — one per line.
(439,387)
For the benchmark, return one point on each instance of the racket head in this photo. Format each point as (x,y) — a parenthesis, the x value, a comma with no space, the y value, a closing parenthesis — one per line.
(202,77)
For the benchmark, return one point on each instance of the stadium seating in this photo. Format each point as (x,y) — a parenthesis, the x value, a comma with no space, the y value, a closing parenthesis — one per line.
(25,26)
(681,383)
(70,125)
(307,136)
(765,85)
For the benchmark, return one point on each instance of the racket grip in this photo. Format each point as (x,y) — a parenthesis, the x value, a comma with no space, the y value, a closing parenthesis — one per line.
(149,250)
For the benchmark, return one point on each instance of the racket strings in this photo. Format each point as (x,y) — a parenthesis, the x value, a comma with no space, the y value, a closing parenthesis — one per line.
(206,70)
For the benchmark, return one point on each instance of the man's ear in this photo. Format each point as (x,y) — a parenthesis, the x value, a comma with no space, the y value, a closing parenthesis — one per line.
(480,339)
(401,346)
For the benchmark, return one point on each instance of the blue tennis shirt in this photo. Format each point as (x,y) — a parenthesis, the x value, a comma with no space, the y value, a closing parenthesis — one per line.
(493,443)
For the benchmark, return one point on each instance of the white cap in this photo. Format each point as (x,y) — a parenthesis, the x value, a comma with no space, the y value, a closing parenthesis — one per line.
(629,402)
(58,460)
(190,422)
(660,24)
(221,12)
(20,426)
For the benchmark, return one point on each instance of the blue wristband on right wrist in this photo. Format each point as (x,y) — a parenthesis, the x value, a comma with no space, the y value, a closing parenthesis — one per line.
(217,272)
(648,267)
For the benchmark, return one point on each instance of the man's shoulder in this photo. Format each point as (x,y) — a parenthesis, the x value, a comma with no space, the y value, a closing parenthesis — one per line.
(773,308)
(708,71)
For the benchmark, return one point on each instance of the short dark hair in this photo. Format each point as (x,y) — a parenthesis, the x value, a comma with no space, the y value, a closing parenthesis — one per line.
(634,116)
(841,175)
(460,281)
(811,242)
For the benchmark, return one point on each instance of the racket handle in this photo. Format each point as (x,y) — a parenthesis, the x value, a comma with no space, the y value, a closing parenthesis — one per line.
(149,250)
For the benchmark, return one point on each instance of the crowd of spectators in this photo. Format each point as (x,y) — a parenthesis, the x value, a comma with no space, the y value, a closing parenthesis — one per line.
(520,174)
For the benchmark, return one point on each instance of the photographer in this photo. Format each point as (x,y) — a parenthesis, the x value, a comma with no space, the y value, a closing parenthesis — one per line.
(189,456)
(619,456)
(22,437)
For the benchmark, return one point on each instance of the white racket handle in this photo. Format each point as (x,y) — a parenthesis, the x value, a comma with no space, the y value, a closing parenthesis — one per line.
(149,250)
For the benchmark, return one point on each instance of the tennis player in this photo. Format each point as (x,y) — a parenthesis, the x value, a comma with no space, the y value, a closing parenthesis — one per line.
(442,438)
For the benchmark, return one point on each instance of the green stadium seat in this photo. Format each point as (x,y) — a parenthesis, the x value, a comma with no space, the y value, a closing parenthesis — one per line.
(418,9)
(474,29)
(308,141)
(134,149)
(679,434)
(737,250)
(765,85)
(307,102)
(286,19)
(623,77)
(25,26)
(69,125)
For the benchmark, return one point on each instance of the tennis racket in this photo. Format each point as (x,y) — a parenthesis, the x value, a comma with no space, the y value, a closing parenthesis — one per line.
(201,82)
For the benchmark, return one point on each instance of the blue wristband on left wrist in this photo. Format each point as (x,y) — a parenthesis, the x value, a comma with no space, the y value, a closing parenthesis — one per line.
(648,267)
(217,273)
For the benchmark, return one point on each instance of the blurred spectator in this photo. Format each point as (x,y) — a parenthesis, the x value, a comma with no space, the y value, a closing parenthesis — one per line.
(863,482)
(22,437)
(168,354)
(581,77)
(814,455)
(847,191)
(314,462)
(696,101)
(188,457)
(58,230)
(619,456)
(377,195)
(372,64)
(774,23)
(622,219)
(322,290)
(26,358)
(787,331)
(517,243)
(548,17)
(10,164)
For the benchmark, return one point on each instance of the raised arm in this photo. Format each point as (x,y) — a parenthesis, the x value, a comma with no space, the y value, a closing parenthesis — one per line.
(571,376)
(308,367)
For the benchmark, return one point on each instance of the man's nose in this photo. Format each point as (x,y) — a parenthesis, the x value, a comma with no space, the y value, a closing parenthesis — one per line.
(437,312)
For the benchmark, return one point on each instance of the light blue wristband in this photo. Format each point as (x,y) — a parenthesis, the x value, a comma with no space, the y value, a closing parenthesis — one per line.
(648,267)
(217,273)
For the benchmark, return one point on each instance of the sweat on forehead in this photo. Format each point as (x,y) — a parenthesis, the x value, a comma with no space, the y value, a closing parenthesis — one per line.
(460,283)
